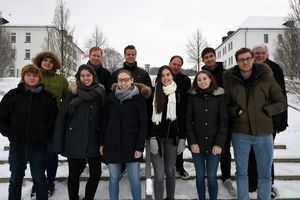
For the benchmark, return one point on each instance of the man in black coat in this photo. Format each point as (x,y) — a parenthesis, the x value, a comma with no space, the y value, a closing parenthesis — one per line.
(183,83)
(279,121)
(216,69)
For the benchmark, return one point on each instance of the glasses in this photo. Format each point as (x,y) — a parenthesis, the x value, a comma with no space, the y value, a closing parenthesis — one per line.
(245,59)
(125,80)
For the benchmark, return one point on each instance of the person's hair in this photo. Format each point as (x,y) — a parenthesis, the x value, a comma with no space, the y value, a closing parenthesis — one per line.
(88,68)
(160,97)
(130,47)
(241,51)
(213,84)
(207,50)
(31,68)
(95,49)
(262,45)
(126,72)
(176,56)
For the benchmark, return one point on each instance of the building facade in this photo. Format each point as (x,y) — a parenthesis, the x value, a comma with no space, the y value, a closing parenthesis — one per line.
(30,40)
(254,30)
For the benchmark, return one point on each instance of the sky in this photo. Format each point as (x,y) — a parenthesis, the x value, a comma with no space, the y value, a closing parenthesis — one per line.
(158,29)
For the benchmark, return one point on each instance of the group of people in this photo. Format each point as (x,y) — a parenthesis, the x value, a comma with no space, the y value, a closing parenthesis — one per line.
(105,117)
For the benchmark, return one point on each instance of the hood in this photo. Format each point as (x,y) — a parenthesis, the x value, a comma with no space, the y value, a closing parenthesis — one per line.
(144,90)
(73,88)
(37,60)
(217,92)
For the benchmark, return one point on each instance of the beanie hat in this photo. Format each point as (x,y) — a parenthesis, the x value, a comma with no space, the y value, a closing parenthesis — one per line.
(37,60)
(31,68)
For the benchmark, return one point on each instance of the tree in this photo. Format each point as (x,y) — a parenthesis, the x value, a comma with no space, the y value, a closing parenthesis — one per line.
(97,39)
(61,40)
(111,59)
(288,47)
(194,48)
(7,52)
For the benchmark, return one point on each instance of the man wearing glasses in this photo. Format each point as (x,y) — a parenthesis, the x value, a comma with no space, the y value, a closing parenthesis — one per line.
(253,97)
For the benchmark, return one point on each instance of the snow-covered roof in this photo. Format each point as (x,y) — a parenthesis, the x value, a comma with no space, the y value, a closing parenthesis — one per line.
(263,22)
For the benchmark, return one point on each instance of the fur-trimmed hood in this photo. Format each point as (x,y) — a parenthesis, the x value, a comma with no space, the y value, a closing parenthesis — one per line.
(144,89)
(217,92)
(37,60)
(260,70)
(73,88)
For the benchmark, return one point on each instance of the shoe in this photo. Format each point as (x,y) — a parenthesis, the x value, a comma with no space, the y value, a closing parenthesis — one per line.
(33,191)
(51,187)
(273,193)
(252,188)
(228,185)
(184,175)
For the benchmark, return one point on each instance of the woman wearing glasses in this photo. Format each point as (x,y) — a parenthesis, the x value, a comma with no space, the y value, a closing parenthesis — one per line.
(123,136)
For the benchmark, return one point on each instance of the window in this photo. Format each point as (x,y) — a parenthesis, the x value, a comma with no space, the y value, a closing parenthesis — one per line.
(13,37)
(225,63)
(266,38)
(230,46)
(28,38)
(27,54)
(219,54)
(12,71)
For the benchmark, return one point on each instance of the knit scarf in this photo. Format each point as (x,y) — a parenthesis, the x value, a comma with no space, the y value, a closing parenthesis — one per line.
(171,106)
(126,94)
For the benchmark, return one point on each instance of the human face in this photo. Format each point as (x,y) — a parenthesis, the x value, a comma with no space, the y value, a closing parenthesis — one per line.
(176,65)
(124,81)
(86,77)
(31,79)
(166,77)
(209,59)
(95,57)
(203,81)
(260,54)
(130,56)
(47,64)
(245,62)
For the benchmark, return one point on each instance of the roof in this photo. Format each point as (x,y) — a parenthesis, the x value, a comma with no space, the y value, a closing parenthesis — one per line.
(263,22)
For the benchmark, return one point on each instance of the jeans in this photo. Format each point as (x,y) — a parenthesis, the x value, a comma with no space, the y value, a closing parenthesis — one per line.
(263,148)
(164,164)
(52,163)
(76,166)
(206,163)
(18,158)
(134,179)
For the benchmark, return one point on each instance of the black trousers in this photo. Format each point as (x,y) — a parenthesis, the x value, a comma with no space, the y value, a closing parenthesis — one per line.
(225,159)
(252,169)
(76,167)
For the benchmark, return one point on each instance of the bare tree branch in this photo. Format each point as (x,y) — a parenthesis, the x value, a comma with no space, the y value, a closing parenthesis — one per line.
(111,59)
(97,39)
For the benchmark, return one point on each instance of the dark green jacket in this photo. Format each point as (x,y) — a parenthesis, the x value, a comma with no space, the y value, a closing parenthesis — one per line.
(252,103)
(55,83)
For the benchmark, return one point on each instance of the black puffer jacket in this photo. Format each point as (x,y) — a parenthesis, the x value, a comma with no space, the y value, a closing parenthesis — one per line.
(27,118)
(77,132)
(207,119)
(103,75)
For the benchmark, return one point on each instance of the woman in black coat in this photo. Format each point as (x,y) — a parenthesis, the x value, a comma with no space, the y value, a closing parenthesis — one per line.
(124,132)
(206,128)
(77,130)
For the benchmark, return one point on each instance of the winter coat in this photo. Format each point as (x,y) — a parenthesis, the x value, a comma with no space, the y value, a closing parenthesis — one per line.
(125,127)
(253,102)
(280,121)
(27,118)
(77,132)
(103,75)
(206,119)
(216,72)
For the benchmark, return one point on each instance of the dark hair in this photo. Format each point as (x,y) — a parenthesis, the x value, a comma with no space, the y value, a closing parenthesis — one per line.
(241,51)
(208,50)
(126,72)
(95,49)
(176,56)
(88,68)
(160,97)
(129,47)
(213,84)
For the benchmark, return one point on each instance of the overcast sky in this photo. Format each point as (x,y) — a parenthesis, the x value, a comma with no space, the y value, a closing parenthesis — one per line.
(158,28)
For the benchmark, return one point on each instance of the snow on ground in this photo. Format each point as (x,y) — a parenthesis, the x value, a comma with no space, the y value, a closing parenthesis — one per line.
(184,189)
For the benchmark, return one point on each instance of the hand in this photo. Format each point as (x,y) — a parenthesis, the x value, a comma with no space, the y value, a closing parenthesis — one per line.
(137,154)
(216,150)
(195,148)
(180,146)
(153,146)
(101,150)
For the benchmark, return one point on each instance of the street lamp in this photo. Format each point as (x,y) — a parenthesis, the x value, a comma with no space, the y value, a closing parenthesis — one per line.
(3,21)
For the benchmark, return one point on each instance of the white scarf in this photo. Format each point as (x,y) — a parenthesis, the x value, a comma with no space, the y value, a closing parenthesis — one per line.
(171,107)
